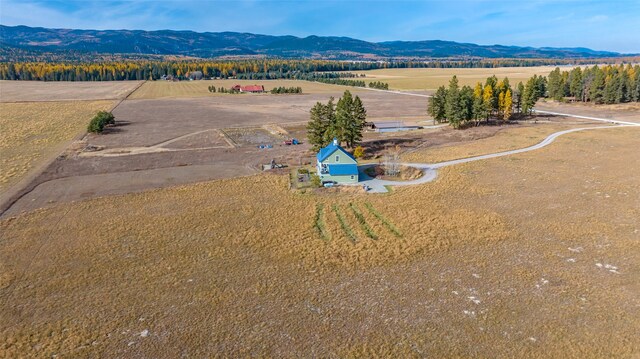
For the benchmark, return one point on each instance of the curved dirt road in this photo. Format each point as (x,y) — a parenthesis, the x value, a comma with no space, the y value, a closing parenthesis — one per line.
(430,169)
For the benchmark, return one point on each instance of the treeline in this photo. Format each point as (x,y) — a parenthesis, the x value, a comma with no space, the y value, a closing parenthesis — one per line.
(495,99)
(294,75)
(153,70)
(600,85)
(254,69)
(343,82)
(284,90)
(379,85)
(221,89)
(344,121)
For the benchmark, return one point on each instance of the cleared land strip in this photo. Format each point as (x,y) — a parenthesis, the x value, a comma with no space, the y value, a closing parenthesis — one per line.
(430,169)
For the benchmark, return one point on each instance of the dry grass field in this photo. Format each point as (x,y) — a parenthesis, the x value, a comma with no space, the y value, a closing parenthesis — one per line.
(431,79)
(509,138)
(182,89)
(533,255)
(33,130)
(25,91)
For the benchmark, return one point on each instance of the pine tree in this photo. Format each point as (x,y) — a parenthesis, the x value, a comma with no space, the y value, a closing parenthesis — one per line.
(436,106)
(359,118)
(317,126)
(331,131)
(466,102)
(529,97)
(596,89)
(344,117)
(478,105)
(575,83)
(453,106)
(518,97)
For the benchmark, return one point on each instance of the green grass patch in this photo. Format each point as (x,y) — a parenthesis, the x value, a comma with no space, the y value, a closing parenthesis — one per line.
(363,221)
(319,224)
(343,223)
(384,221)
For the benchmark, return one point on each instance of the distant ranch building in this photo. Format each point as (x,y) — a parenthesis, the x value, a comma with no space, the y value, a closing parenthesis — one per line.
(249,88)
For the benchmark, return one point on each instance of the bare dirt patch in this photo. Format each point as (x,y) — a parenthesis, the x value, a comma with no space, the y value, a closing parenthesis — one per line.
(252,136)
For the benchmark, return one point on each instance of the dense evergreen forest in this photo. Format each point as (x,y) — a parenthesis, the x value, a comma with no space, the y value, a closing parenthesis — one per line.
(241,69)
(606,84)
(464,106)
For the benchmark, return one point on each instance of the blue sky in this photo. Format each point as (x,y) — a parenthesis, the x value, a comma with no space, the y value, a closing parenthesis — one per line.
(612,25)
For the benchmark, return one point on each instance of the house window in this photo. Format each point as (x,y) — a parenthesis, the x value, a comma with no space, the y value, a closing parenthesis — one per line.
(352,177)
(337,158)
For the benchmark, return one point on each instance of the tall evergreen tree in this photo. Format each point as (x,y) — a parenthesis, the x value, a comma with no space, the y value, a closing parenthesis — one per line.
(453,106)
(596,89)
(436,106)
(478,105)
(466,102)
(518,97)
(359,118)
(317,126)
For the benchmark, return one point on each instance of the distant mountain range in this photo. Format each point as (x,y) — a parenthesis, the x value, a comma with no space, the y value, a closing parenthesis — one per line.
(216,44)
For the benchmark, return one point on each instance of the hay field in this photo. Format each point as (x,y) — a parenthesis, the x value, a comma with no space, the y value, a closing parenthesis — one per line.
(24,91)
(33,130)
(182,89)
(533,255)
(431,79)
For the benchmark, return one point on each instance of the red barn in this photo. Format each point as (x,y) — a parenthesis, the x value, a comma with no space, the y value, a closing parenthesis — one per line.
(249,88)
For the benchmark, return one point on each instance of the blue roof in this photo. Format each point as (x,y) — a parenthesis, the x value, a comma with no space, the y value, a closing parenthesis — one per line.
(325,152)
(340,170)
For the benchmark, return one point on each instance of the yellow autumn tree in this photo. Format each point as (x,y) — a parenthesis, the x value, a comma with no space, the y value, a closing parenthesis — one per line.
(507,106)
(487,96)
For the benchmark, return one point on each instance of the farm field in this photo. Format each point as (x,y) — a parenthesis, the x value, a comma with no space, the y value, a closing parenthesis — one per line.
(27,91)
(34,130)
(169,89)
(531,255)
(431,79)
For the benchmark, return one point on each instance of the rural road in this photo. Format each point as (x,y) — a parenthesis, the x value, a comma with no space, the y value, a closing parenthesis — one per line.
(430,169)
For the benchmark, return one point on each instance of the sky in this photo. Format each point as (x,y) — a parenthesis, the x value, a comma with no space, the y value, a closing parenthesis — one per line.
(612,25)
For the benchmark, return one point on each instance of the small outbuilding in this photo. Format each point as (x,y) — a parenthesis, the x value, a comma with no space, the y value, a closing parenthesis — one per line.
(392,126)
(334,163)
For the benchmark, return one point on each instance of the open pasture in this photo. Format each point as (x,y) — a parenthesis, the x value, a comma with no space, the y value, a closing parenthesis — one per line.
(431,79)
(524,255)
(25,91)
(36,130)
